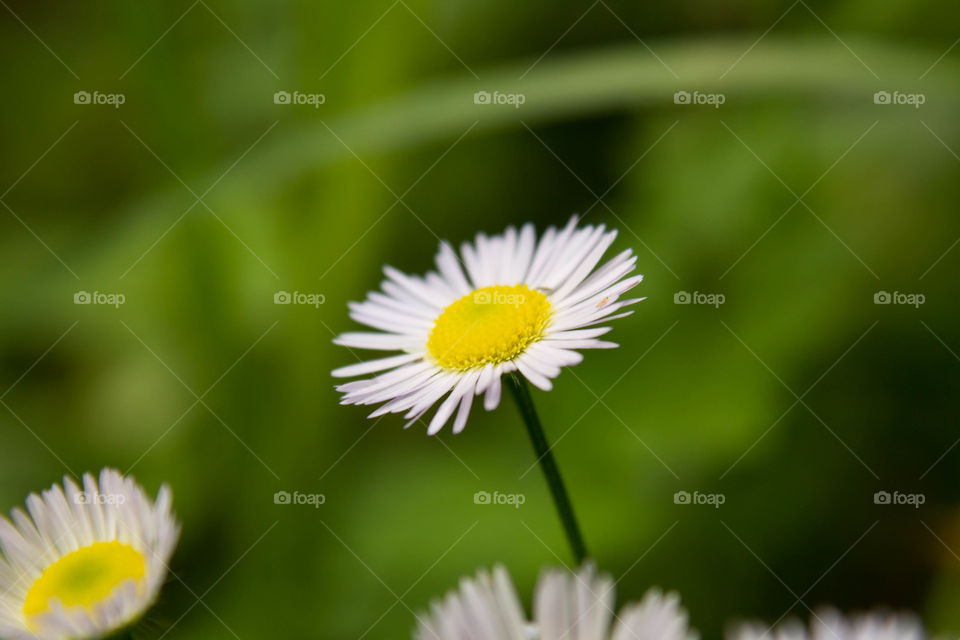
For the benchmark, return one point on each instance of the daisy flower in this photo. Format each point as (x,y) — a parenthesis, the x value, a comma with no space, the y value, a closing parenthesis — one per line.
(566,606)
(829,624)
(507,303)
(85,562)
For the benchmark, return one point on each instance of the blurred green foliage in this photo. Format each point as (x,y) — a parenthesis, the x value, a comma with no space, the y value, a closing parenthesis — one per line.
(797,399)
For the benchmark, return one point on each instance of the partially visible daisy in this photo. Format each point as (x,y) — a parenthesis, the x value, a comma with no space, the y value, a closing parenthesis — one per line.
(566,606)
(84,563)
(829,624)
(521,304)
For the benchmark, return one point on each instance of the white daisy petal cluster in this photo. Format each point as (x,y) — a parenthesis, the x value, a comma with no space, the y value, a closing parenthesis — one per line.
(829,624)
(567,606)
(83,562)
(507,303)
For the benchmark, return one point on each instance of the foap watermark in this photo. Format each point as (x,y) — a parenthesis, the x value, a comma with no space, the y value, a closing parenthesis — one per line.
(93,497)
(112,99)
(897,297)
(298,297)
(697,97)
(297,97)
(712,299)
(511,299)
(497,97)
(896,498)
(697,498)
(299,499)
(897,97)
(98,297)
(513,499)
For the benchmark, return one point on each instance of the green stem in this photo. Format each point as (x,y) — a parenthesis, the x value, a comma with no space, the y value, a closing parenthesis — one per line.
(521,393)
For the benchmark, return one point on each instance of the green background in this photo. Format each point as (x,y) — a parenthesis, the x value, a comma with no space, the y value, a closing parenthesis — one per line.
(797,399)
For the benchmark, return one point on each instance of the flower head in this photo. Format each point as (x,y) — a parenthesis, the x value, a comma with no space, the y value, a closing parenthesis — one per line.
(566,606)
(507,303)
(829,624)
(85,562)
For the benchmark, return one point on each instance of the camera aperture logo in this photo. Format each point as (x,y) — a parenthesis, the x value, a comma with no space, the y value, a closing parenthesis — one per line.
(711,299)
(87,497)
(98,297)
(299,499)
(513,99)
(697,498)
(297,297)
(513,499)
(312,99)
(112,99)
(911,99)
(896,498)
(509,299)
(911,299)
(712,99)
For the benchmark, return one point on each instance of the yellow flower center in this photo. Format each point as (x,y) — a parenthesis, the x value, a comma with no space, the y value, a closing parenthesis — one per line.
(490,325)
(84,577)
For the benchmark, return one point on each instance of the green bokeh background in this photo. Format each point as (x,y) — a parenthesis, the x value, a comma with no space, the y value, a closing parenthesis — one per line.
(201,381)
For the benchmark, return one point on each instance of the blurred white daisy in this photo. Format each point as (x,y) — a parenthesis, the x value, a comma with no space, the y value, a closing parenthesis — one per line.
(566,606)
(521,304)
(829,624)
(85,562)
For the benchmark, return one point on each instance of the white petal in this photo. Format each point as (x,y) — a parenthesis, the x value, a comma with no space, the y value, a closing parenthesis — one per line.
(578,334)
(465,387)
(530,373)
(552,243)
(580,260)
(483,608)
(540,361)
(405,305)
(581,344)
(363,368)
(568,605)
(449,265)
(416,287)
(492,399)
(552,353)
(486,377)
(465,403)
(525,246)
(656,617)
(389,320)
(604,277)
(377,341)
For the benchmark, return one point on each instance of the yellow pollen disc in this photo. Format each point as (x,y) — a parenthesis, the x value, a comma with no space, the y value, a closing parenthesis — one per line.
(490,325)
(85,576)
